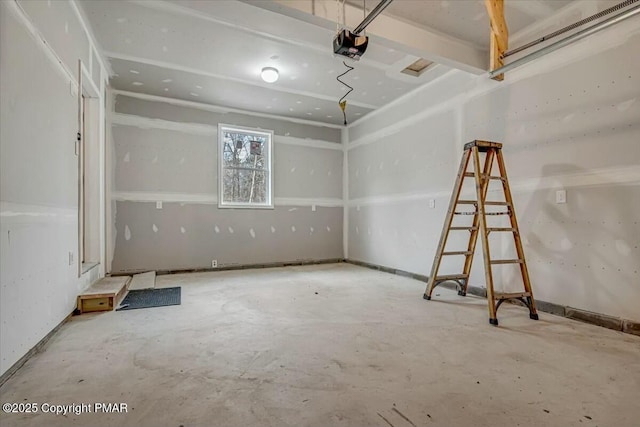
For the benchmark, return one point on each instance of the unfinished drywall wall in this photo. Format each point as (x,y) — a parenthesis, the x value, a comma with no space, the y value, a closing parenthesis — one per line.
(168,153)
(39,273)
(570,121)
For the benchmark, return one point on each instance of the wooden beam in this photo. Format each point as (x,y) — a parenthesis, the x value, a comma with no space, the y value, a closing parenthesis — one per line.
(389,32)
(495,57)
(499,34)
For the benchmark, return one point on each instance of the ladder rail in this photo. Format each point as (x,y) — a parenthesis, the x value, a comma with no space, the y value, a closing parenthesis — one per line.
(473,237)
(483,230)
(518,241)
(447,225)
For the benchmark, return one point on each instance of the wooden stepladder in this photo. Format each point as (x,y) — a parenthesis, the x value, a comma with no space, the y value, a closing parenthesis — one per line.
(482,177)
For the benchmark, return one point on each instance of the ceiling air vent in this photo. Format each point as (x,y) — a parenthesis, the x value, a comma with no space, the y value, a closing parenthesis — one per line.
(417,67)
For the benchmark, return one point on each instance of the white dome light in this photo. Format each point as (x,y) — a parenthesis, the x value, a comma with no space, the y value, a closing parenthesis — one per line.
(269,74)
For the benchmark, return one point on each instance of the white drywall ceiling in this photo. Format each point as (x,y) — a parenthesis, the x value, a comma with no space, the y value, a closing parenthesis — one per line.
(467,20)
(213,51)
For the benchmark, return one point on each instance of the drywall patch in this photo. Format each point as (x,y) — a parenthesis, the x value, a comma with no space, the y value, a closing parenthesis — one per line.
(252,233)
(624,106)
(230,230)
(182,230)
(565,244)
(293,228)
(216,229)
(273,229)
(127,157)
(154,228)
(127,233)
(622,247)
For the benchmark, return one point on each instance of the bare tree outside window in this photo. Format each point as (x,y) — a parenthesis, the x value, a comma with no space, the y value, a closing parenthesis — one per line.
(245,167)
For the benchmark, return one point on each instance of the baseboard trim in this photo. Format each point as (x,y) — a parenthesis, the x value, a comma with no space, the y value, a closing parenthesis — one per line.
(604,320)
(38,348)
(231,267)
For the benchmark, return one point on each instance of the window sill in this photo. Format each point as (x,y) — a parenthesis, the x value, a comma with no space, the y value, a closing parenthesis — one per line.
(87,266)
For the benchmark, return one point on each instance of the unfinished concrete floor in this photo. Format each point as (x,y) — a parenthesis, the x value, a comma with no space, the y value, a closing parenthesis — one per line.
(330,345)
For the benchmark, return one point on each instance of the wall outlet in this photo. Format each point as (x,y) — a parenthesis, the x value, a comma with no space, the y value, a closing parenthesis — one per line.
(432,203)
(214,263)
(158,205)
(70,257)
(561,196)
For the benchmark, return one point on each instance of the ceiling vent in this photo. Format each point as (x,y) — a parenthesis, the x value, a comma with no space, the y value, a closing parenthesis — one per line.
(418,67)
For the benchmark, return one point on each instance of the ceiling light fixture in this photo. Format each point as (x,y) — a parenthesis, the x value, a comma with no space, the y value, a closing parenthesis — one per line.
(269,74)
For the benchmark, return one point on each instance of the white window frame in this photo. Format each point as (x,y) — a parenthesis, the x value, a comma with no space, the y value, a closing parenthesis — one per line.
(236,205)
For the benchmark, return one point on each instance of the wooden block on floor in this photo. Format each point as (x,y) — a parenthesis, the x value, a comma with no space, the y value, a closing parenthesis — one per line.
(143,281)
(104,295)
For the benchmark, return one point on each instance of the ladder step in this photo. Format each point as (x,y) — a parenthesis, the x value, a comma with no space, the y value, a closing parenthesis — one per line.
(470,228)
(498,213)
(501,229)
(467,202)
(510,295)
(507,261)
(466,213)
(472,175)
(451,277)
(495,203)
(457,253)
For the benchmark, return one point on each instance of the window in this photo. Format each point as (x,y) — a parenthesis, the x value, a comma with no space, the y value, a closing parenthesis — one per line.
(244,167)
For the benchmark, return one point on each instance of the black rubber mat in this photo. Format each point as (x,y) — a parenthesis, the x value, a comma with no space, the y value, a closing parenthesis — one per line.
(145,298)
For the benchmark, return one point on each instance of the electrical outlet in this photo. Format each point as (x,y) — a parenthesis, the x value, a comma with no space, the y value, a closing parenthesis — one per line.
(561,196)
(432,203)
(214,263)
(158,205)
(70,258)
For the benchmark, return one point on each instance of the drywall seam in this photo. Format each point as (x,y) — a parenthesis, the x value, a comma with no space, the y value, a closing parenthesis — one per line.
(208,130)
(148,123)
(209,198)
(220,109)
(196,71)
(629,175)
(396,198)
(93,43)
(626,175)
(408,122)
(306,142)
(344,134)
(23,17)
(20,213)
(400,99)
(143,196)
(179,10)
(328,202)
